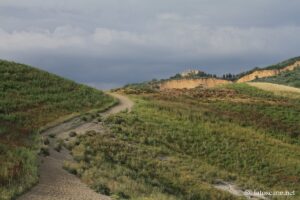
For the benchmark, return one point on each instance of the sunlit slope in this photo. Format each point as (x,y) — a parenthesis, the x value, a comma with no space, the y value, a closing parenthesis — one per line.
(282,90)
(178,144)
(290,78)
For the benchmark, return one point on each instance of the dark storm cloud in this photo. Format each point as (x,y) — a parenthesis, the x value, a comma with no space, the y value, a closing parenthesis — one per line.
(110,43)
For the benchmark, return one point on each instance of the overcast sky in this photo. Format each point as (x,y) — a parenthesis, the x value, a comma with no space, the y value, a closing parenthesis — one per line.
(113,42)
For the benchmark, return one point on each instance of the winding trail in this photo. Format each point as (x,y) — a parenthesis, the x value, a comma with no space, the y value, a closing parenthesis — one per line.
(55,182)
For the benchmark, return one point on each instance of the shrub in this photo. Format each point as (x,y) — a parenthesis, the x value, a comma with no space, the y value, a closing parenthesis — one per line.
(122,195)
(101,188)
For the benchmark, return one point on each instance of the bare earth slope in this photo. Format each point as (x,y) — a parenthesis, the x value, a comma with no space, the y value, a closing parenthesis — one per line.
(55,182)
(192,83)
(267,73)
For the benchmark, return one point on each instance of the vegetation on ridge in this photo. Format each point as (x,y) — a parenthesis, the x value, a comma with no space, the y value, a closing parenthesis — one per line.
(290,78)
(277,66)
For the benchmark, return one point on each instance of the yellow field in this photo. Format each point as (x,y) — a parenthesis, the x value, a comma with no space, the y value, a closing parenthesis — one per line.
(281,90)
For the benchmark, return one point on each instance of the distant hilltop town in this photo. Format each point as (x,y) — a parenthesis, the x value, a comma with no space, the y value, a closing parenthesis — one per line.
(191,72)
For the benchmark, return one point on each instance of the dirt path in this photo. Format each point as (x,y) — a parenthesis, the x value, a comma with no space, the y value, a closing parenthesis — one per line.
(55,182)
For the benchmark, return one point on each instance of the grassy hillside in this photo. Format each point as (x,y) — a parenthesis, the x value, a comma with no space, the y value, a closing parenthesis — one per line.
(29,99)
(281,90)
(290,78)
(177,144)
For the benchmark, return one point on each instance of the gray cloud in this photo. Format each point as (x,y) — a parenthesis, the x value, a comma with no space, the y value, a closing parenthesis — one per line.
(108,43)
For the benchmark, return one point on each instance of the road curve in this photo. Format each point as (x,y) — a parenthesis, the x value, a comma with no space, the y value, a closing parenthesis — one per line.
(124,104)
(55,182)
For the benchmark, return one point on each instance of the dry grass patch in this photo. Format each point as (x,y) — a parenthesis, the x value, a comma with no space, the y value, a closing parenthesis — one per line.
(281,90)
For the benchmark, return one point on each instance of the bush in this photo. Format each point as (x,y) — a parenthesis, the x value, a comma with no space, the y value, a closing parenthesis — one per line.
(103,189)
(122,195)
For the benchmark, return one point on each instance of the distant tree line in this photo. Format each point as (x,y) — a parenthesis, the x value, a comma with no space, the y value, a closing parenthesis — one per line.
(231,77)
(227,76)
(198,75)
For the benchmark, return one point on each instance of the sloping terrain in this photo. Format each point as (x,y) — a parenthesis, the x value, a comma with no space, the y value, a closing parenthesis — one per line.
(183,139)
(289,78)
(189,144)
(55,182)
(282,90)
(273,70)
(286,72)
(29,99)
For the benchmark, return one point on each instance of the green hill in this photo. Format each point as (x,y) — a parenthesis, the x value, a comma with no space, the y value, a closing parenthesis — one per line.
(29,99)
(290,78)
(178,144)
(173,145)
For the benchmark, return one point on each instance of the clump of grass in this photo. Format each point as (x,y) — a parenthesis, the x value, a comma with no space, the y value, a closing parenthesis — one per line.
(46,141)
(93,115)
(72,134)
(79,152)
(12,179)
(71,167)
(103,189)
(52,135)
(91,133)
(99,119)
(69,145)
(59,144)
(84,118)
(58,147)
(45,151)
